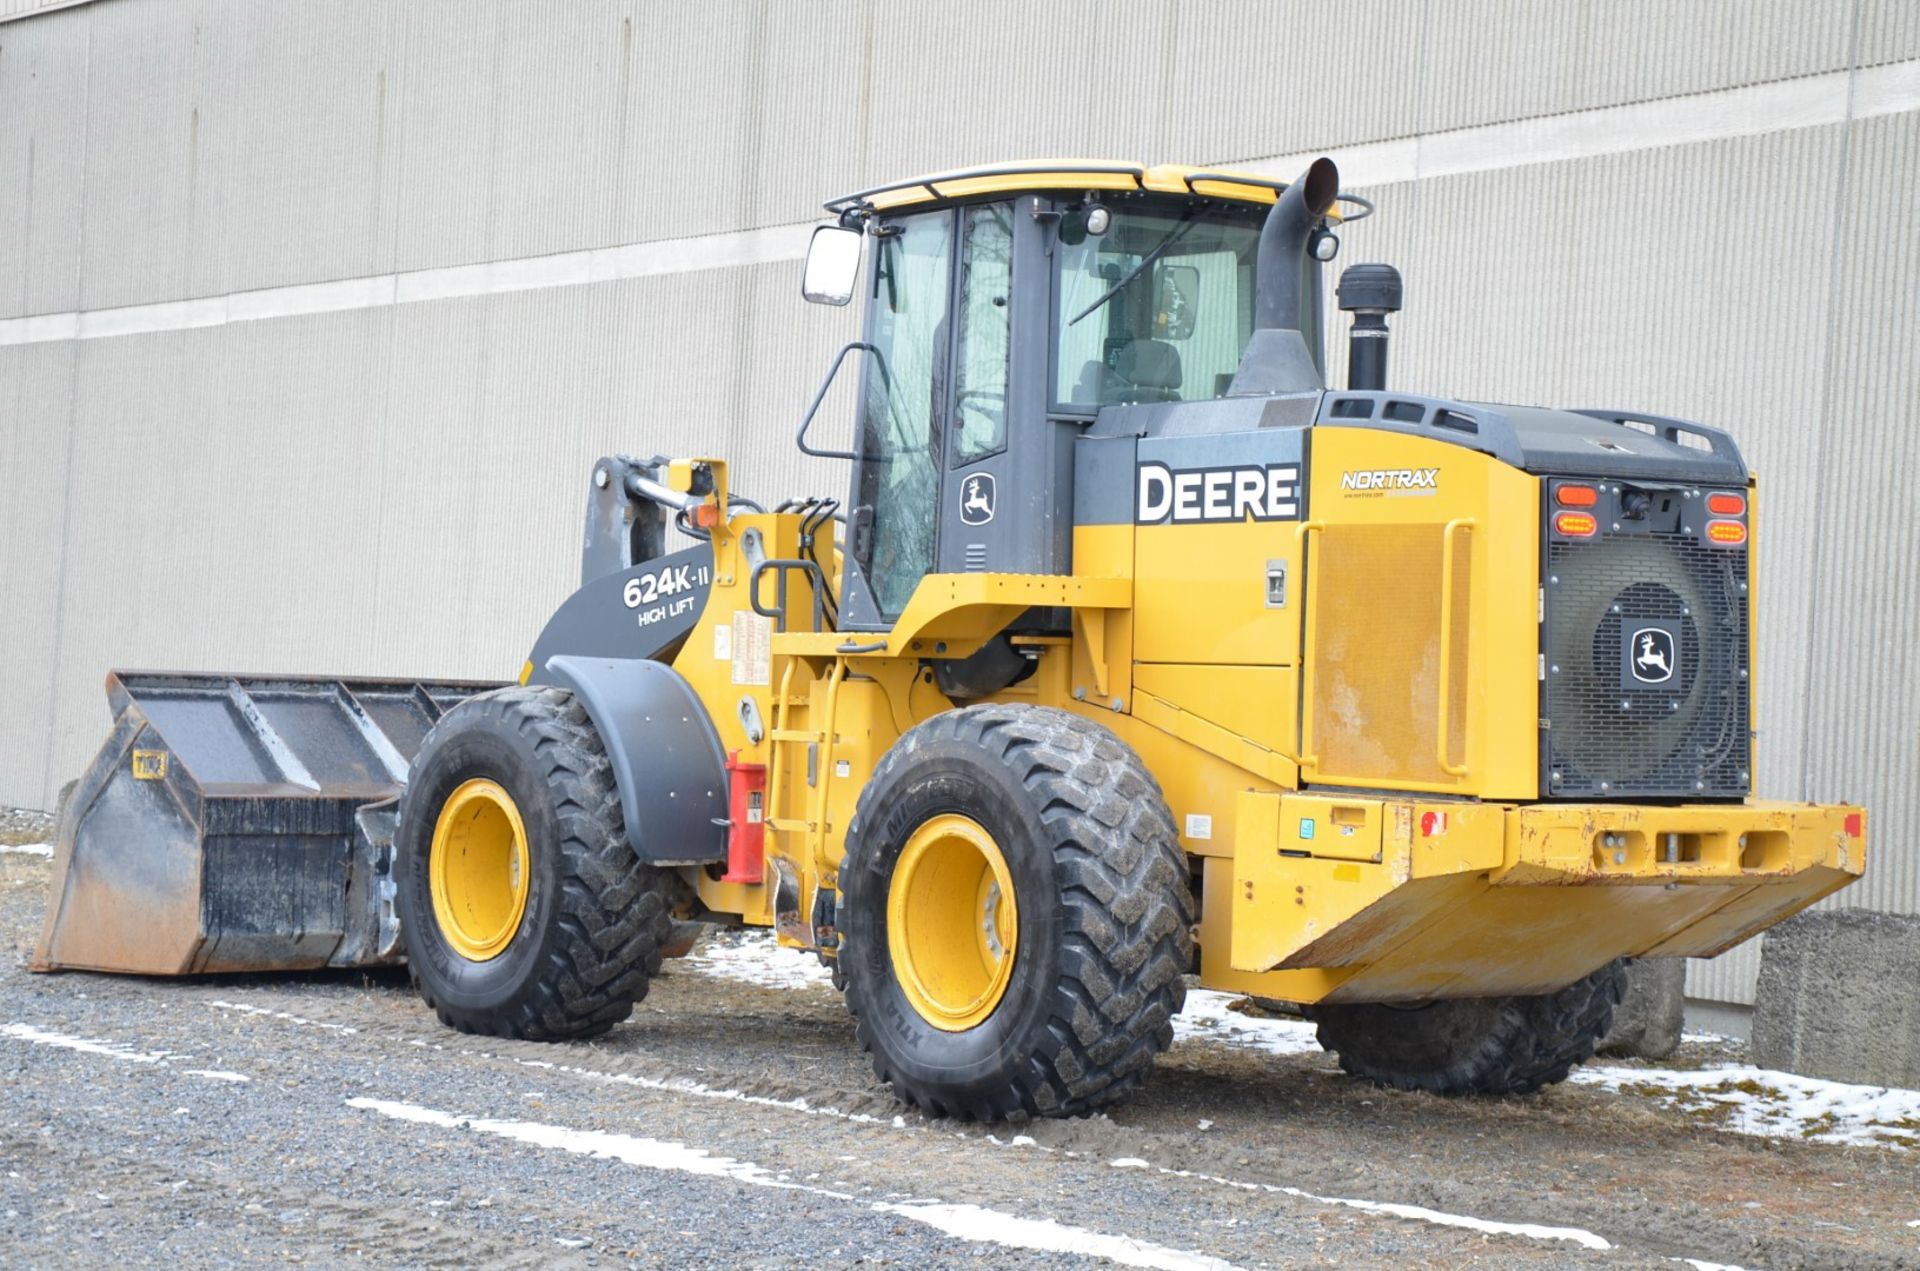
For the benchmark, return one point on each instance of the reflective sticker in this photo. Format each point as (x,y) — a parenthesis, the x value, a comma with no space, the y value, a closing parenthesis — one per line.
(149,765)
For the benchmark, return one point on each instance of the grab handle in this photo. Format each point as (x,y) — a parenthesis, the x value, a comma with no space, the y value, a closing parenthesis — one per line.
(1446,644)
(1307,758)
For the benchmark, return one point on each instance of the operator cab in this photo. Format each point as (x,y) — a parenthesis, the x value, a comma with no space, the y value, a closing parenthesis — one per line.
(1006,308)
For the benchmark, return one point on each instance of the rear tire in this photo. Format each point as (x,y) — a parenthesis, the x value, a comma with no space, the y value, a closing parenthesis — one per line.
(572,926)
(1486,1045)
(1096,935)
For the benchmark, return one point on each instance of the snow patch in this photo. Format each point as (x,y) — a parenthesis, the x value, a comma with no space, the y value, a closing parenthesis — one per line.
(1206,1018)
(1759,1101)
(967,1222)
(1738,1098)
(88,1045)
(757,959)
(27,849)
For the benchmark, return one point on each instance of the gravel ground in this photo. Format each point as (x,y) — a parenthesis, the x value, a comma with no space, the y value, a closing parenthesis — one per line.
(330,1118)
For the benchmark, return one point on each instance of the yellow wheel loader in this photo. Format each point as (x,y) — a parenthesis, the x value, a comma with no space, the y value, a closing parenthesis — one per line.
(1136,652)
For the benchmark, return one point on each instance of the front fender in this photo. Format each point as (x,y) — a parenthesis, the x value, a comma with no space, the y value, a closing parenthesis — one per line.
(644,611)
(666,754)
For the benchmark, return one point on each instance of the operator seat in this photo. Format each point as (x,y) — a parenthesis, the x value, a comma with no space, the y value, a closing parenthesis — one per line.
(1152,368)
(1143,370)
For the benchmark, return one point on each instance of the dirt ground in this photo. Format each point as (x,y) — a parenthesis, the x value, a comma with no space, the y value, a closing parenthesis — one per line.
(733,1121)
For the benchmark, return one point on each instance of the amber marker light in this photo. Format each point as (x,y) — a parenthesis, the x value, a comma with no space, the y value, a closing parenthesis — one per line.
(1726,533)
(1576,496)
(1575,525)
(1727,504)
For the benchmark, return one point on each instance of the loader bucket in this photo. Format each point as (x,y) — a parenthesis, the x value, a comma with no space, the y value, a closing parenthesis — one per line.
(237,823)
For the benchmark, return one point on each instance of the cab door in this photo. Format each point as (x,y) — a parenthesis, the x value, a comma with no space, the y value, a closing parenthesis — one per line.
(933,466)
(900,430)
(977,528)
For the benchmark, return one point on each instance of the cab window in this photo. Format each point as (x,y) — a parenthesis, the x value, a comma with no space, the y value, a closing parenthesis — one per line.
(1157,308)
(985,335)
(902,406)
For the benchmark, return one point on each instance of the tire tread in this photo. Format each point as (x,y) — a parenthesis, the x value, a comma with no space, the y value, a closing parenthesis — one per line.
(1123,885)
(613,914)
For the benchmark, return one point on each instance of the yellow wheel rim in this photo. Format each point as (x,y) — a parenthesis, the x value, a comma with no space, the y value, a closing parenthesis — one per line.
(952,922)
(478,869)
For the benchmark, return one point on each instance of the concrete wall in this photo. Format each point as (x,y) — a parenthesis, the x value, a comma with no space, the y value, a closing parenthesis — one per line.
(313,317)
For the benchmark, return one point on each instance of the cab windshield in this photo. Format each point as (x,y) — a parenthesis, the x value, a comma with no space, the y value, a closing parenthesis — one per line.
(1158,307)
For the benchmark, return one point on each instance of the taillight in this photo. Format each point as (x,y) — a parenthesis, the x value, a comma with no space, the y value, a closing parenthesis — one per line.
(1727,504)
(1576,496)
(1575,525)
(1726,533)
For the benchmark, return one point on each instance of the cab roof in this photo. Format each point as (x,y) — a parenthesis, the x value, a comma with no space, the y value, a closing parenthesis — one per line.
(1070,174)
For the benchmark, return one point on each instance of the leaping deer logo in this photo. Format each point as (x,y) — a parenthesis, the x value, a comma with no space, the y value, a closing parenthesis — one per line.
(1653,655)
(976,498)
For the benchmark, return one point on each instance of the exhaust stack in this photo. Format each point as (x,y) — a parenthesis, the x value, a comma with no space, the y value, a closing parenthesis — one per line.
(1369,293)
(1277,362)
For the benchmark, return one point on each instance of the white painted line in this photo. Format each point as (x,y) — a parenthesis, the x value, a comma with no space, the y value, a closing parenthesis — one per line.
(87,1045)
(244,1009)
(1440,1218)
(1782,105)
(216,1074)
(684,1086)
(378,291)
(28,849)
(1809,102)
(967,1222)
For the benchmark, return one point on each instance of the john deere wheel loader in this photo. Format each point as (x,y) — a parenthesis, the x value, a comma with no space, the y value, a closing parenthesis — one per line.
(1136,652)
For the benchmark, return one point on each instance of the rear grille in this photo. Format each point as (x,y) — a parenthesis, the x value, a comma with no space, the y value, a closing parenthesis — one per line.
(1644,687)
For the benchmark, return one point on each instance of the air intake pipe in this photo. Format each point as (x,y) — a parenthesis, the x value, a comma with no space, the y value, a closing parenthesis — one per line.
(1369,293)
(1277,362)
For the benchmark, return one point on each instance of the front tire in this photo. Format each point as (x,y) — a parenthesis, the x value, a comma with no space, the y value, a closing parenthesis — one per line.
(1484,1045)
(1017,916)
(523,910)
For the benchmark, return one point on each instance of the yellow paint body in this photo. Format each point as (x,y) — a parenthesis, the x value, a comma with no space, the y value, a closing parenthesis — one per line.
(1353,774)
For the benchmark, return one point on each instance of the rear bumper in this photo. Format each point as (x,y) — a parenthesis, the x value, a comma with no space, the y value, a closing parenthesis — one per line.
(1480,899)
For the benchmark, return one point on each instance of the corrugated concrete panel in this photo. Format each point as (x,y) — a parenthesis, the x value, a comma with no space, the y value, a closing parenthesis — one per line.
(1860,673)
(12,10)
(43,99)
(1889,31)
(296,143)
(143,152)
(36,389)
(1728,978)
(1863,636)
(273,145)
(1490,60)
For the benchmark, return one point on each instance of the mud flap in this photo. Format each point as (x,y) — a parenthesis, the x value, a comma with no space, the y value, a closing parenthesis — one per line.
(666,754)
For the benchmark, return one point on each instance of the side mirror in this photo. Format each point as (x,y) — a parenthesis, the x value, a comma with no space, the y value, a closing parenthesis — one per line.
(833,265)
(1176,303)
